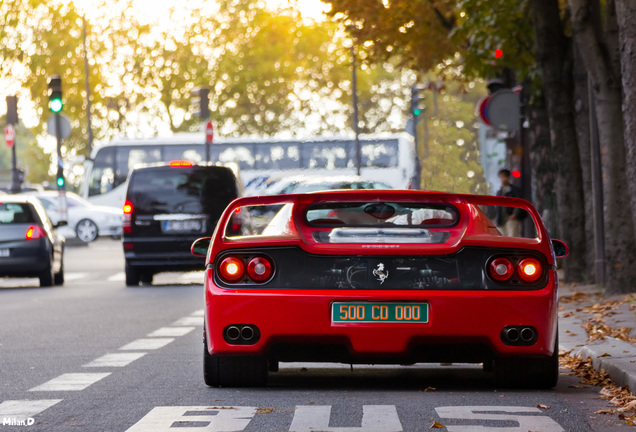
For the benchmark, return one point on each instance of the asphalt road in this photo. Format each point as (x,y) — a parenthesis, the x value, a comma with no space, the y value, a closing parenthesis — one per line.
(93,355)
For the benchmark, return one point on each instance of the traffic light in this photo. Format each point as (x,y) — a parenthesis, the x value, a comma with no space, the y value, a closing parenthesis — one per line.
(55,93)
(12,110)
(201,102)
(417,100)
(59,180)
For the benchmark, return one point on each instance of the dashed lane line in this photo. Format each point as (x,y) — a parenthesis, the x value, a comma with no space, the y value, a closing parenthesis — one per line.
(115,360)
(71,382)
(21,410)
(146,344)
(171,332)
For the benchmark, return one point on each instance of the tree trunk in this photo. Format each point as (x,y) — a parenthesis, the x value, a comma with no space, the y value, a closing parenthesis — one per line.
(600,53)
(544,169)
(582,126)
(555,58)
(626,13)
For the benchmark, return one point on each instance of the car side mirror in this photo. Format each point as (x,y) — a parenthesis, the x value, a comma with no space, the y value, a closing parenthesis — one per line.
(61,223)
(561,250)
(200,246)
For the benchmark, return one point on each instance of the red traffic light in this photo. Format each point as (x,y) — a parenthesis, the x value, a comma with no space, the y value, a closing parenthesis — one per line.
(516,173)
(498,53)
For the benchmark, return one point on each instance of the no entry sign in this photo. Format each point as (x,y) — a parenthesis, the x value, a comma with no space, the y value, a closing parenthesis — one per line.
(9,135)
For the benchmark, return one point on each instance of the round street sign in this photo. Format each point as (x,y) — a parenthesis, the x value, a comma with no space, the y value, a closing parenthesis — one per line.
(209,132)
(9,135)
(65,126)
(503,110)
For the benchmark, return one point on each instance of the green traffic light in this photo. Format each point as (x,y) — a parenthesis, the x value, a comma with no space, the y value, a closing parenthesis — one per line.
(60,181)
(56,105)
(417,112)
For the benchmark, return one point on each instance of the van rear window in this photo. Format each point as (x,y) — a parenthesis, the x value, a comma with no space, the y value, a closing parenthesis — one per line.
(182,190)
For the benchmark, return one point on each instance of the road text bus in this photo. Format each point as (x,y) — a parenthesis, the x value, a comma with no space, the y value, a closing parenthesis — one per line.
(389,159)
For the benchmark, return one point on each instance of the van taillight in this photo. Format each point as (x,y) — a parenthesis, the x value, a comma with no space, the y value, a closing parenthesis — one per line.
(128,209)
(35,232)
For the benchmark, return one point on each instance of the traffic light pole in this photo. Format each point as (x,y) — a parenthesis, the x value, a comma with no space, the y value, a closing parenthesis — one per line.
(61,188)
(12,119)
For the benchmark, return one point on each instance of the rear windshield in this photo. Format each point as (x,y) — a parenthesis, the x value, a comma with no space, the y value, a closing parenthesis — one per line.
(192,190)
(16,213)
(388,214)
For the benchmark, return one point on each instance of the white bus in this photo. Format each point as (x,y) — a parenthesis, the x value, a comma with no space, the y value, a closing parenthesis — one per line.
(389,159)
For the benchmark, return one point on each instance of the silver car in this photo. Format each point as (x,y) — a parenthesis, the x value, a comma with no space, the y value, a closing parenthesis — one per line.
(87,220)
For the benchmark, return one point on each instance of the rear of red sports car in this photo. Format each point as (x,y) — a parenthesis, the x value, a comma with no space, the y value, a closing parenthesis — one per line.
(389,277)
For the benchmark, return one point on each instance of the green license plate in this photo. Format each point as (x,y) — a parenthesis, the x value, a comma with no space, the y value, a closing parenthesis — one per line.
(362,312)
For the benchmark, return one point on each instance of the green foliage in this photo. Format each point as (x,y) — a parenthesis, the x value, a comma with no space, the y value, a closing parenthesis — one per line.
(448,139)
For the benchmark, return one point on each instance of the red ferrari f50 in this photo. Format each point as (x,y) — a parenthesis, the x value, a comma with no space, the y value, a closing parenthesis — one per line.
(389,277)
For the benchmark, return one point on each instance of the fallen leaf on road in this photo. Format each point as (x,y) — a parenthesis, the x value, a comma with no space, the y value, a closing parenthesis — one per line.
(436,425)
(544,406)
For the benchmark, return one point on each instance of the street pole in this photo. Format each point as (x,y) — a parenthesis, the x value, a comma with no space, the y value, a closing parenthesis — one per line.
(597,192)
(354,84)
(61,188)
(89,144)
(12,119)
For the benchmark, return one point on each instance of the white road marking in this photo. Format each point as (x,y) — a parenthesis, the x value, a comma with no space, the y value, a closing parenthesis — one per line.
(74,276)
(171,331)
(189,321)
(199,312)
(147,344)
(115,360)
(375,418)
(526,422)
(189,418)
(117,277)
(21,410)
(71,382)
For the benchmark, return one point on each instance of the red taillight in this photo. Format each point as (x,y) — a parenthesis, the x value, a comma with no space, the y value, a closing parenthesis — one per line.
(259,269)
(127,224)
(35,232)
(180,163)
(529,269)
(501,269)
(231,269)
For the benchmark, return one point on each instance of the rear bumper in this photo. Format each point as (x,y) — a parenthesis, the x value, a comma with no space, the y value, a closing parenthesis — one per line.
(296,325)
(25,262)
(161,255)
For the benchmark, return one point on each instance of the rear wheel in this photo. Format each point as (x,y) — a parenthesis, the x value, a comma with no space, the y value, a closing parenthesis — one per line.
(146,278)
(132,276)
(233,371)
(58,278)
(528,372)
(46,276)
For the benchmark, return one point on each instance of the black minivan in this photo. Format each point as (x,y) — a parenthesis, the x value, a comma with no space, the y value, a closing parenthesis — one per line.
(167,207)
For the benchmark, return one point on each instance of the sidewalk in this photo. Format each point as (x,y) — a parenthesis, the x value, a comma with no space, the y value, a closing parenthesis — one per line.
(600,327)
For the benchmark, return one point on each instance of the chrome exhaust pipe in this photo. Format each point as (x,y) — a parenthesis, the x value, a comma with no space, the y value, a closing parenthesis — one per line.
(247,333)
(527,334)
(233,333)
(512,334)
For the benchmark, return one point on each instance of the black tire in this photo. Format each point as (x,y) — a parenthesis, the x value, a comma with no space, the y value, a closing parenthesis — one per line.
(46,276)
(58,278)
(233,371)
(86,230)
(133,276)
(528,372)
(146,278)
